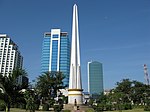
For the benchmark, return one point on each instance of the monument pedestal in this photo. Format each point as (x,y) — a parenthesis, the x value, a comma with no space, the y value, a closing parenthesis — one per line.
(75,96)
(80,108)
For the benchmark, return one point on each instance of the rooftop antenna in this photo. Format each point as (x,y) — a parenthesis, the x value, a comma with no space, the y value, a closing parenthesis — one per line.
(146,74)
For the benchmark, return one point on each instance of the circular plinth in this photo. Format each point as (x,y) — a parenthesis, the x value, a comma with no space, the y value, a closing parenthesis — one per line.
(75,96)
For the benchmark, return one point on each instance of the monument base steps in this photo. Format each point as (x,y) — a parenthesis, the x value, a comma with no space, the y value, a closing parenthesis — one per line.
(78,108)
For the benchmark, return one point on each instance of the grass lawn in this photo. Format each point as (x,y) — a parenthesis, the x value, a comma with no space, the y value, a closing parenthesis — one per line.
(23,110)
(133,110)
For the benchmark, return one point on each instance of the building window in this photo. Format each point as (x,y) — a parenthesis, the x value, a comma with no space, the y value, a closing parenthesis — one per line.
(55,36)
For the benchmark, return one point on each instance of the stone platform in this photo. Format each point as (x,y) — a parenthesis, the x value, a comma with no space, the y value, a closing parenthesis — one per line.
(78,108)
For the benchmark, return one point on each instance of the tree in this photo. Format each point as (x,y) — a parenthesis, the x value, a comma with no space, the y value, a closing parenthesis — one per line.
(102,99)
(48,84)
(4,97)
(116,99)
(126,94)
(120,97)
(124,87)
(10,88)
(132,91)
(30,100)
(140,93)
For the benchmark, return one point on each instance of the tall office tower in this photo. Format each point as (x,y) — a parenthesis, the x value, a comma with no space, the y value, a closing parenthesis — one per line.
(95,77)
(56,53)
(10,57)
(75,84)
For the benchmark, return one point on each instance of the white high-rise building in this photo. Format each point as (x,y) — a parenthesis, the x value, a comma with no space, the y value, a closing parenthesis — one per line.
(10,57)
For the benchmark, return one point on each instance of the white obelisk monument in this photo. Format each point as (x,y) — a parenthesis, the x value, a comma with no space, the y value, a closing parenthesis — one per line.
(75,84)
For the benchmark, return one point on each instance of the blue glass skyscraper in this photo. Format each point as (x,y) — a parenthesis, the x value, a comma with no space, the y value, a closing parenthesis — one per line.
(95,77)
(56,53)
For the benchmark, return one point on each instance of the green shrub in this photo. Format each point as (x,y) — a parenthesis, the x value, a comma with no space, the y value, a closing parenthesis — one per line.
(138,106)
(36,106)
(108,107)
(45,107)
(127,106)
(2,107)
(22,106)
(58,108)
(94,107)
(51,103)
(16,105)
(100,107)
(147,108)
(118,107)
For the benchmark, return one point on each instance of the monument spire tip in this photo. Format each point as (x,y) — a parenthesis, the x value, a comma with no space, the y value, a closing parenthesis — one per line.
(75,4)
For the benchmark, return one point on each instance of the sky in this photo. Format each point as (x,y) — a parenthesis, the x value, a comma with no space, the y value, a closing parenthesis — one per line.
(113,32)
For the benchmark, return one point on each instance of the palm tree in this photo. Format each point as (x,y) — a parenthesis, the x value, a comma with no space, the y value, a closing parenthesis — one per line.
(43,84)
(9,87)
(30,100)
(4,96)
(48,84)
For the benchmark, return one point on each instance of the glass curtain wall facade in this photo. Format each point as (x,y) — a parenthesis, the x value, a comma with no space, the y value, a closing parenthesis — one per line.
(95,77)
(56,53)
